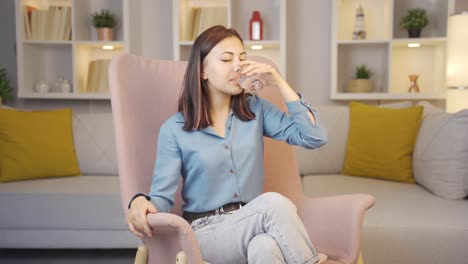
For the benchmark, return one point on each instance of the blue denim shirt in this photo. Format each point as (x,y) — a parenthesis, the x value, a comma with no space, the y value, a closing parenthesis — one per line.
(218,170)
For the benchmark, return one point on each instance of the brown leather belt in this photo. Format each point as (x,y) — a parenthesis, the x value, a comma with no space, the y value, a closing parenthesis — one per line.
(225,209)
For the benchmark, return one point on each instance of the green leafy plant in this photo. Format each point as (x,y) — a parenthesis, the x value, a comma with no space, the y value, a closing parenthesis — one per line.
(5,87)
(363,72)
(416,18)
(105,18)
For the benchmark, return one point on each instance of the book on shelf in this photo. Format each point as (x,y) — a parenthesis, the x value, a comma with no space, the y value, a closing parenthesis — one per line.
(27,10)
(53,23)
(97,77)
(201,18)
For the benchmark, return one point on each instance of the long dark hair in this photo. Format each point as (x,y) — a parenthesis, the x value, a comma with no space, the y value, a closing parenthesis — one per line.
(194,101)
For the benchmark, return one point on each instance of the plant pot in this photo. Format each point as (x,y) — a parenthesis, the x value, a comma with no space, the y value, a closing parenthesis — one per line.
(105,34)
(414,32)
(360,86)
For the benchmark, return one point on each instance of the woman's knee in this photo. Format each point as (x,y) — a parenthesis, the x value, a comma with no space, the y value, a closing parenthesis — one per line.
(278,201)
(263,246)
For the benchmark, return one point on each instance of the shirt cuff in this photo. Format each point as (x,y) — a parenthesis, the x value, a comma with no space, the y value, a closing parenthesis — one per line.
(161,204)
(299,106)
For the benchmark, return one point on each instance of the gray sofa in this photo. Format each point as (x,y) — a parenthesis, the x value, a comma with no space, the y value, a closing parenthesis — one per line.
(408,223)
(70,212)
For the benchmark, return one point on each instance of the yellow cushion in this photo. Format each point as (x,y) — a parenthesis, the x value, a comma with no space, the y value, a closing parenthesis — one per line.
(381,142)
(36,144)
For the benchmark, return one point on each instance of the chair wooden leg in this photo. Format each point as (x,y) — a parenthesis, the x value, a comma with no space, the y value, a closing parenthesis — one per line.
(360,261)
(322,259)
(141,255)
(181,258)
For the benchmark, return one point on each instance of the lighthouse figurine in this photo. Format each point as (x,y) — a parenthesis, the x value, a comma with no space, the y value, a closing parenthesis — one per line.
(359,24)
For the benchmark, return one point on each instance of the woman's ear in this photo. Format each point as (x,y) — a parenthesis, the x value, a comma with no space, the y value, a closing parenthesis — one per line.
(204,77)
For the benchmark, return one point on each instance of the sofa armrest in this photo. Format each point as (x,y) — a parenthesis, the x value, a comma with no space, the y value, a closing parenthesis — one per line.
(334,224)
(172,234)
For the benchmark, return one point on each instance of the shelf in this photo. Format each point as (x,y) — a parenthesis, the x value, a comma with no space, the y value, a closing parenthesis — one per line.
(388,96)
(100,44)
(373,55)
(377,18)
(33,95)
(247,43)
(45,62)
(437,10)
(239,12)
(49,60)
(428,61)
(85,54)
(270,12)
(48,42)
(387,50)
(362,42)
(422,41)
(83,9)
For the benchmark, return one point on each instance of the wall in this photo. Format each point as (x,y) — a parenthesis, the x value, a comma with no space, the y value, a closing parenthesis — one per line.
(308,55)
(7,43)
(308,48)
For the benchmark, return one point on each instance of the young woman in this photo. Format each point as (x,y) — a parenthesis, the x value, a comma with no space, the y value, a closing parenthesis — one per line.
(215,142)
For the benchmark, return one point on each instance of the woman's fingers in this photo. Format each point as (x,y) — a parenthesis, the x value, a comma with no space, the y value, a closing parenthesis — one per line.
(133,229)
(137,221)
(252,67)
(144,224)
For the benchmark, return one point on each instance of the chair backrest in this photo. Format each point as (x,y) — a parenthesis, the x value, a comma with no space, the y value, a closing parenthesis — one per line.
(144,94)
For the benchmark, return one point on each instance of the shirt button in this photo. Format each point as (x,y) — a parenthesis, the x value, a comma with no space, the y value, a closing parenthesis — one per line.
(231,171)
(236,195)
(226,147)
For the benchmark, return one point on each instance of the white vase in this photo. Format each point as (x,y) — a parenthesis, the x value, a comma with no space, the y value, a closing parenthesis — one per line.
(41,86)
(65,87)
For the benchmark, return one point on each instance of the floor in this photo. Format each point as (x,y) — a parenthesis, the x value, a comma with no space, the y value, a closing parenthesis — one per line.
(69,256)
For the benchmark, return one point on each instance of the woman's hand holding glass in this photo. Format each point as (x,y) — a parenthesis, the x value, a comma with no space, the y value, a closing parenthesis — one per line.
(253,76)
(136,218)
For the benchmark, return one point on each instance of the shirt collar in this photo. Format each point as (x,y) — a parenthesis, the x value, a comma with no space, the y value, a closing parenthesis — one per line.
(180,119)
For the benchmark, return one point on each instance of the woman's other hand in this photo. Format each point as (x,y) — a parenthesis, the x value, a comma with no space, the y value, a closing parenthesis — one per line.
(136,218)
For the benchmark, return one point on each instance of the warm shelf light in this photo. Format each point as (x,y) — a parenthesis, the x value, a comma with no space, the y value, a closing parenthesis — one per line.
(108,47)
(457,62)
(256,47)
(414,45)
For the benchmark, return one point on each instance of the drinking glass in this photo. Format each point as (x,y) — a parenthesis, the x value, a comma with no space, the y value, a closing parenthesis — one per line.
(252,84)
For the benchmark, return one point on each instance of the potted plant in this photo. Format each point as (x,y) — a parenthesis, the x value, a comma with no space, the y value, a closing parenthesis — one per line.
(414,21)
(104,21)
(5,87)
(361,82)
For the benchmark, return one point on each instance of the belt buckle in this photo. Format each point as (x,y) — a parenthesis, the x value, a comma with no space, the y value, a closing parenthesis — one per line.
(221,210)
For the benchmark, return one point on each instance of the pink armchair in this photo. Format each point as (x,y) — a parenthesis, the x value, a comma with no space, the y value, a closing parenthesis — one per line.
(144,94)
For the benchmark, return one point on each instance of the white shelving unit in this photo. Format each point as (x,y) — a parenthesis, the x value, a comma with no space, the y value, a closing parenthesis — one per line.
(239,12)
(49,60)
(385,50)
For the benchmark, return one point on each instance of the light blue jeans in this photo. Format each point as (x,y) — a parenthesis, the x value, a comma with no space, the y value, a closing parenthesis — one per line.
(266,230)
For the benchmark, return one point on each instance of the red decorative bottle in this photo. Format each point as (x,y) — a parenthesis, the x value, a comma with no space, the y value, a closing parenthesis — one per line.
(256,26)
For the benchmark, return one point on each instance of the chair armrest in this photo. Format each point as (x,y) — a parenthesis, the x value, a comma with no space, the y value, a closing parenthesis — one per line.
(172,234)
(334,224)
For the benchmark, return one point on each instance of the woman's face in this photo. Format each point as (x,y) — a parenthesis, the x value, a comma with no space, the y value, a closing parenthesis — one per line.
(219,66)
